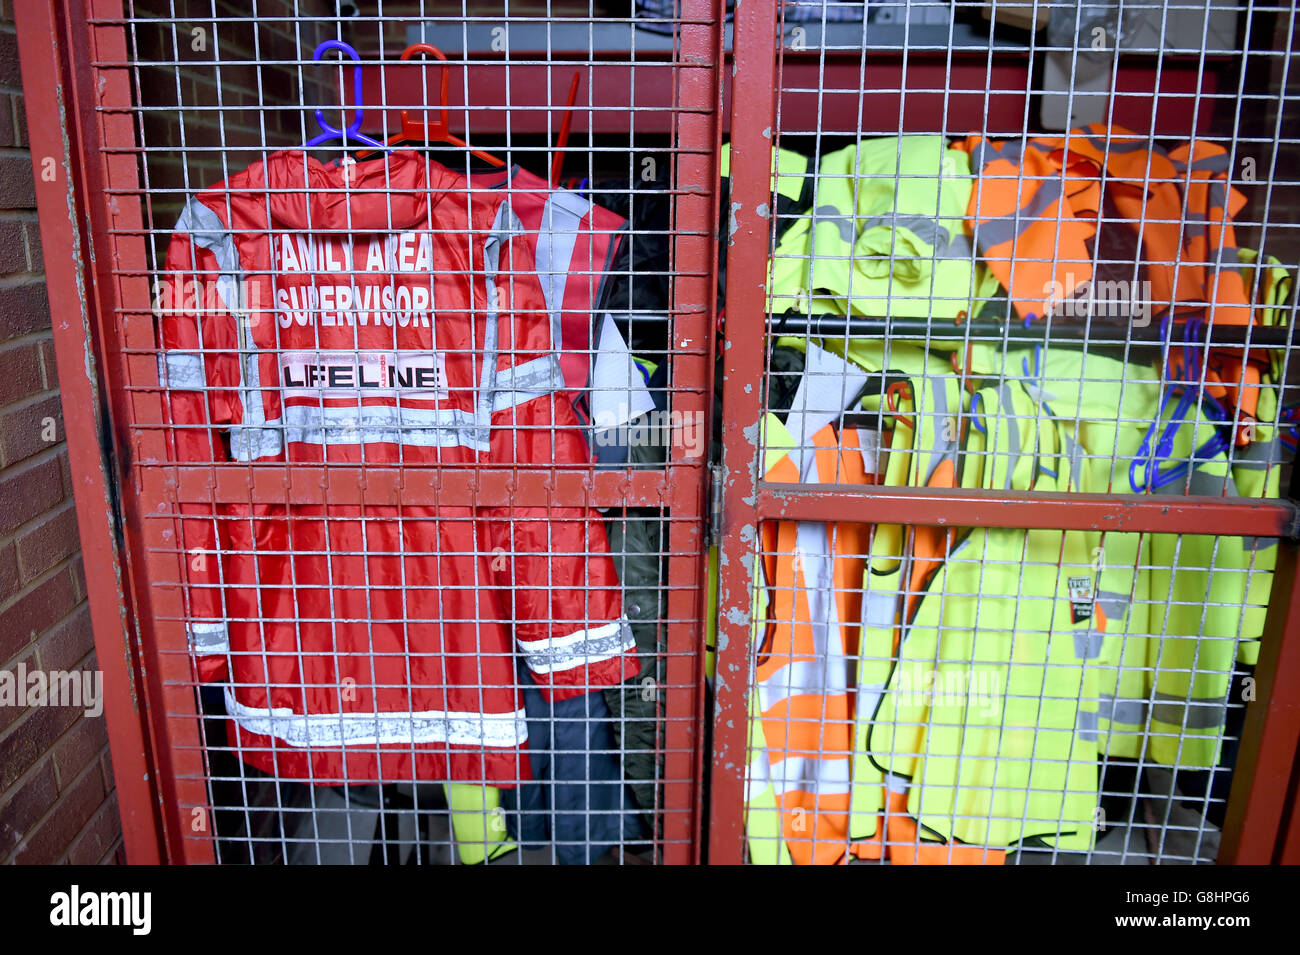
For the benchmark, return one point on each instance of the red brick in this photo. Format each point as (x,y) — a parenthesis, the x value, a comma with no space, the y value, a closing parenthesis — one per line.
(8,572)
(7,120)
(11,714)
(79,748)
(30,429)
(68,642)
(25,307)
(17,188)
(99,836)
(52,838)
(10,75)
(20,122)
(65,471)
(27,803)
(28,491)
(35,612)
(31,738)
(48,542)
(13,248)
(20,371)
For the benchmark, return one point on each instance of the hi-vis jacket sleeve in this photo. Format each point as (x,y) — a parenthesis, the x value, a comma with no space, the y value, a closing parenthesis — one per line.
(562,588)
(199,372)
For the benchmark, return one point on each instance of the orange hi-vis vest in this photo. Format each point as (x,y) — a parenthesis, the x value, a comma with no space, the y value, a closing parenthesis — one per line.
(807,617)
(813,575)
(1038,202)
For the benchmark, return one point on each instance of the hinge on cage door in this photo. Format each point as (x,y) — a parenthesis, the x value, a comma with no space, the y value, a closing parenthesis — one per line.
(715,503)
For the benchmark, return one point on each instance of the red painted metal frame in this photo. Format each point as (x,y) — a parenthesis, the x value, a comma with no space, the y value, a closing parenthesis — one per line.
(1077,512)
(1266,764)
(154,726)
(58,105)
(754,86)
(697,140)
(1262,780)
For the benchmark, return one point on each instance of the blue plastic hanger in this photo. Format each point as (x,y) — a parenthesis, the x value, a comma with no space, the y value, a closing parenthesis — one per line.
(353,131)
(1148,461)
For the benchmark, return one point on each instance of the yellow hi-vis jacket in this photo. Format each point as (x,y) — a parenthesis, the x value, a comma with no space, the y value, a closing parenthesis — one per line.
(887,233)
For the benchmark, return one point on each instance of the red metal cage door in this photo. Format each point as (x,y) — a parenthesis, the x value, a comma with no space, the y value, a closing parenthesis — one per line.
(83,69)
(803,77)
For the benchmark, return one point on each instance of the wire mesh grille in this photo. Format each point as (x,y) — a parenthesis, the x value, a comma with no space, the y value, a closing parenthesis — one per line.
(1015,250)
(420,419)
(422,428)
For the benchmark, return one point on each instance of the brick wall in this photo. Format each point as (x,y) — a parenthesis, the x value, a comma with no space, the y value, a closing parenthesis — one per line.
(57,800)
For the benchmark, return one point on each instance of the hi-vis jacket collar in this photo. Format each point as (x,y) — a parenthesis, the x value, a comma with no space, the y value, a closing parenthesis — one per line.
(396,192)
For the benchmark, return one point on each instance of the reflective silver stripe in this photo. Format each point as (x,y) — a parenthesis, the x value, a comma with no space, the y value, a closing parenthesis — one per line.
(1088,643)
(999,229)
(1225,257)
(1112,603)
(822,777)
(181,371)
(1037,393)
(827,383)
(1085,725)
(557,235)
(208,638)
(1113,147)
(1218,198)
(880,608)
(504,226)
(959,249)
(370,729)
(942,448)
(206,230)
(1260,456)
(1012,150)
(926,229)
(577,649)
(1074,454)
(1007,401)
(1118,711)
(1204,164)
(1123,710)
(1211,485)
(804,676)
(985,152)
(832,215)
(896,784)
(1258,543)
(868,699)
(1199,714)
(312,424)
(526,381)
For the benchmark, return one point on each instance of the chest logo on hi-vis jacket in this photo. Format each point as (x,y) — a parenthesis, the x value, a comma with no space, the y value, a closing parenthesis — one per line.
(344,373)
(1081,598)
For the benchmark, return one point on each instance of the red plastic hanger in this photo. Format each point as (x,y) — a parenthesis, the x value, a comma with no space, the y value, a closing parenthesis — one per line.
(434,131)
(562,140)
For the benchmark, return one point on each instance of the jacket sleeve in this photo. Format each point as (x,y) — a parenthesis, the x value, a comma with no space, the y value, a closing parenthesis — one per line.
(563,590)
(198,371)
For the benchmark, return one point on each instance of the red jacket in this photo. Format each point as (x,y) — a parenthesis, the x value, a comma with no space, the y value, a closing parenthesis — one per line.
(384,314)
